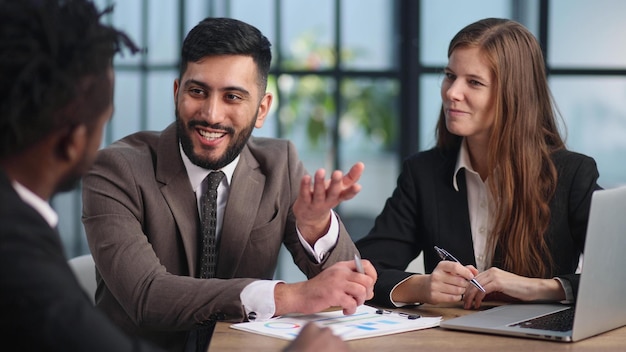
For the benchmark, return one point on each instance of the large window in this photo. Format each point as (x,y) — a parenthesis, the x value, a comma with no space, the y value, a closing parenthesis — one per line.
(358,80)
(588,80)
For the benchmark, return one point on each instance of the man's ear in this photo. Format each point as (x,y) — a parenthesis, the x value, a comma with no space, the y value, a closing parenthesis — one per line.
(71,143)
(176,87)
(264,109)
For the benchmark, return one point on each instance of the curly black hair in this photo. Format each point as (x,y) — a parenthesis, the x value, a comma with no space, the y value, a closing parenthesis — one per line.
(52,54)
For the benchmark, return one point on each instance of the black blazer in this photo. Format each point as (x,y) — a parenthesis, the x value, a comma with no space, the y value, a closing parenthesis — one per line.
(42,306)
(426,211)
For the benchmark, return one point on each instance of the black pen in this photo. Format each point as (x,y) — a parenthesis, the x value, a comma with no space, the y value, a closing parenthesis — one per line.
(445,255)
(402,314)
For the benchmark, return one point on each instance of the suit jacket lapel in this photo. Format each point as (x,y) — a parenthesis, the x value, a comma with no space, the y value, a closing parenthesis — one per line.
(456,233)
(243,201)
(177,191)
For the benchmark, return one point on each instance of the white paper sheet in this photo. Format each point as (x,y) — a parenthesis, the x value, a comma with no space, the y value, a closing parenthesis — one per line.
(366,322)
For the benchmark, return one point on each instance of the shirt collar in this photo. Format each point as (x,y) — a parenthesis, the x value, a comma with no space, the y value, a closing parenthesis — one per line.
(462,162)
(197,174)
(40,205)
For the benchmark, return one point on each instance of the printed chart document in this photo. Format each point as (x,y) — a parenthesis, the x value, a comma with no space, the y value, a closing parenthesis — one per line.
(366,322)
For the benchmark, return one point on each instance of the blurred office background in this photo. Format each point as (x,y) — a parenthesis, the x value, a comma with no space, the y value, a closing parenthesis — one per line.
(358,80)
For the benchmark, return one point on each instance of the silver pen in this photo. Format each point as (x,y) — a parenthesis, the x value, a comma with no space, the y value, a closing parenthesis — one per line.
(357,262)
(445,255)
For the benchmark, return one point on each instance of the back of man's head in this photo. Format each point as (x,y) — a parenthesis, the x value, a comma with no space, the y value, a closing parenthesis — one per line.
(53,54)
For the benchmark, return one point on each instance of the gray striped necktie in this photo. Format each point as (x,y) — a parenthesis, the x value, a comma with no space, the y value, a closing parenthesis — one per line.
(208,208)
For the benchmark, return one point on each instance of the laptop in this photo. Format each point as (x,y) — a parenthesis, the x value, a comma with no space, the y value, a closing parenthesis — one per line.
(600,303)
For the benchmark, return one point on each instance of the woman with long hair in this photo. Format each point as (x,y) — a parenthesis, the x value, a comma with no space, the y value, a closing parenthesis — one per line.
(499,191)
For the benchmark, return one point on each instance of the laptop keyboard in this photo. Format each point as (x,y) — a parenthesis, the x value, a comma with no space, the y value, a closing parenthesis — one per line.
(559,321)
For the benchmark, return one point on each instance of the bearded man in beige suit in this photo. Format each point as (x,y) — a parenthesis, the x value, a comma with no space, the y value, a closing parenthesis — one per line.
(141,206)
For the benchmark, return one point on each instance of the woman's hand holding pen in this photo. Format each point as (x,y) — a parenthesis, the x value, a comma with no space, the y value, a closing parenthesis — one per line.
(447,283)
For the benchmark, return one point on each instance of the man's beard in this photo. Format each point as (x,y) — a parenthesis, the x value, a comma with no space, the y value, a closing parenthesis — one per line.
(73,177)
(69,183)
(234,148)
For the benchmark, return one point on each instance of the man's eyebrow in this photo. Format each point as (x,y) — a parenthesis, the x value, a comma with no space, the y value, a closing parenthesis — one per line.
(191,82)
(236,88)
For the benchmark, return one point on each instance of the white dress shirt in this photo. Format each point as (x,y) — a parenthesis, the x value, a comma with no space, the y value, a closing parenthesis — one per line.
(40,205)
(481,208)
(257,297)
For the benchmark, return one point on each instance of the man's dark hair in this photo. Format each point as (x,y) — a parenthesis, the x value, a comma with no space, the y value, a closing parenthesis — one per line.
(53,56)
(227,36)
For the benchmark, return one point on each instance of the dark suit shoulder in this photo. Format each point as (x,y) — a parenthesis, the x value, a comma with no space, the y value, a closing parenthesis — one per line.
(570,164)
(432,156)
(435,162)
(564,157)
(19,220)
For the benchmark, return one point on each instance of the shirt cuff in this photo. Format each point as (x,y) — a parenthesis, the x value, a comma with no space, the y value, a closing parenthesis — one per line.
(401,304)
(258,300)
(324,244)
(569,292)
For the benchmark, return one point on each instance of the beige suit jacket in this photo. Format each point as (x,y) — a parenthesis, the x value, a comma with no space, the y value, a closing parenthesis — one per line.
(142,225)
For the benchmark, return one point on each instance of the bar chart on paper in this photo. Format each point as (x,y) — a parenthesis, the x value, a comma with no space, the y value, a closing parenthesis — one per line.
(365,322)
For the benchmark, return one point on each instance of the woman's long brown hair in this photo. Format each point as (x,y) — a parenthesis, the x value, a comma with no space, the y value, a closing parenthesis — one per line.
(524,135)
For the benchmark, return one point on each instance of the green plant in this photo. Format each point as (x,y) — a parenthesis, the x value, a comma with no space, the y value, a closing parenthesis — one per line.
(308,100)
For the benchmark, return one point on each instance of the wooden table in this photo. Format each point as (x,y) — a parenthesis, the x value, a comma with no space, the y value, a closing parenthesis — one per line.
(433,339)
(228,339)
